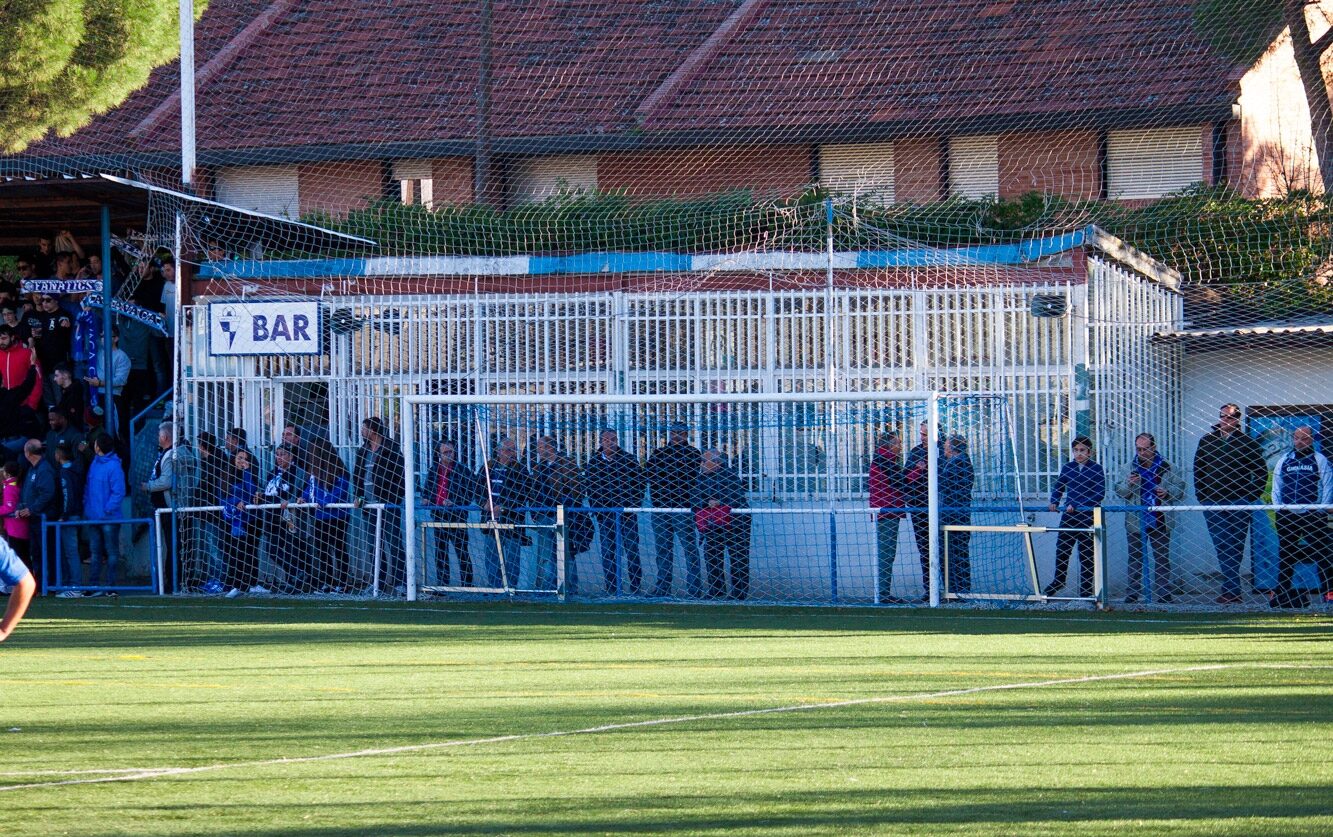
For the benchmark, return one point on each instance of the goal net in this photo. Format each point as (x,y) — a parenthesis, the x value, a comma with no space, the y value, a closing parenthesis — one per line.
(798,498)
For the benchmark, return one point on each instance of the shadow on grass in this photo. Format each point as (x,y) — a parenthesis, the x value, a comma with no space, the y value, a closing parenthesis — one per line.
(1188,808)
(289,621)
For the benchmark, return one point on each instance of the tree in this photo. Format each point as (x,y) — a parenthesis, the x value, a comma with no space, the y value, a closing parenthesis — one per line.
(1243,30)
(62,62)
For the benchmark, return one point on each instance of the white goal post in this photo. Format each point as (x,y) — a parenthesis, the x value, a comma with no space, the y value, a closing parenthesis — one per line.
(409,403)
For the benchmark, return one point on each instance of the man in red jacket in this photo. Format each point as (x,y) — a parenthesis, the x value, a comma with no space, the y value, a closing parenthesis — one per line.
(15,362)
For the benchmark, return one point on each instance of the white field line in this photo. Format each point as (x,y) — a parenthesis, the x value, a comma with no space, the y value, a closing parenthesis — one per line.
(159,772)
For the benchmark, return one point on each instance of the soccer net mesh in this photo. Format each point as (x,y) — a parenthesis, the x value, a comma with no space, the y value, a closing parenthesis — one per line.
(1108,216)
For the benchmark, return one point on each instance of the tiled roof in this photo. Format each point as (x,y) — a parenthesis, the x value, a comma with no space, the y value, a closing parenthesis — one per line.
(337,72)
(822,62)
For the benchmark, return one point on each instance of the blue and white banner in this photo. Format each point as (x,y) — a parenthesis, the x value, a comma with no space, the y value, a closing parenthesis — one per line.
(267,327)
(62,286)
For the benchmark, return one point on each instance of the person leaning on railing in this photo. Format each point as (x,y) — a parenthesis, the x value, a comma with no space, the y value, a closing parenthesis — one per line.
(1303,477)
(1229,470)
(1077,491)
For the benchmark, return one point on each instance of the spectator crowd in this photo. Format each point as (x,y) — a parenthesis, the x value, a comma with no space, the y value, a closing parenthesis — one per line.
(64,445)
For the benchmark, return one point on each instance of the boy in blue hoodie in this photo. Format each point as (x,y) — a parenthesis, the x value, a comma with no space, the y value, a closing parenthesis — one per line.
(103,495)
(1077,491)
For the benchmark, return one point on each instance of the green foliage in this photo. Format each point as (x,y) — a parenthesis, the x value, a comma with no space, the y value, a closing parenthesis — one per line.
(1269,255)
(1239,29)
(62,62)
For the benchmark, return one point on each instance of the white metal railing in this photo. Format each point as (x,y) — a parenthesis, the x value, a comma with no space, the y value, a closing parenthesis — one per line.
(959,339)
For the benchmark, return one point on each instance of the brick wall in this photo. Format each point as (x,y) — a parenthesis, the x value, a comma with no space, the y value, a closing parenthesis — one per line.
(452,178)
(768,170)
(340,186)
(1059,163)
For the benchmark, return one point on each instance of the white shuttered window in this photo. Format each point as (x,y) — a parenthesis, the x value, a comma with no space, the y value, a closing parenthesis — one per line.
(863,169)
(415,185)
(1151,163)
(271,190)
(974,166)
(539,178)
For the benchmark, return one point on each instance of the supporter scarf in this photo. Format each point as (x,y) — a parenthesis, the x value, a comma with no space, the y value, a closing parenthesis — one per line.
(1148,482)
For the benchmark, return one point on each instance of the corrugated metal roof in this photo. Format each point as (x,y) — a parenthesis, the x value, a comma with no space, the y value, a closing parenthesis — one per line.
(1286,329)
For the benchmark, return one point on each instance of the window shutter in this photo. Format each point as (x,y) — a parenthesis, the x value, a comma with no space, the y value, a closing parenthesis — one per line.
(272,190)
(411,170)
(1150,163)
(539,178)
(974,166)
(861,169)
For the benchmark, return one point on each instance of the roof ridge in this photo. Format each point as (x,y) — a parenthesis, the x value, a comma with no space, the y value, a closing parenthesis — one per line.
(219,62)
(700,55)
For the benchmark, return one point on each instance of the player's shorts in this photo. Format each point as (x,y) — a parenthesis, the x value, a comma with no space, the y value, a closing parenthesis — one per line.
(12,570)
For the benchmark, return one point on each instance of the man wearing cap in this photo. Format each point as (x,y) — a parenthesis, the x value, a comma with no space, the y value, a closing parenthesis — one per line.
(673,475)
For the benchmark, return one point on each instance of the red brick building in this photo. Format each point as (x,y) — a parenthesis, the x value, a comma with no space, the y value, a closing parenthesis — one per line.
(327,104)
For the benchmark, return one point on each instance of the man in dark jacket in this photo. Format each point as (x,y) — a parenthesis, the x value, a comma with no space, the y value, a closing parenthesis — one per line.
(1229,469)
(38,499)
(556,482)
(378,478)
(449,490)
(507,491)
(956,482)
(916,494)
(615,482)
(673,473)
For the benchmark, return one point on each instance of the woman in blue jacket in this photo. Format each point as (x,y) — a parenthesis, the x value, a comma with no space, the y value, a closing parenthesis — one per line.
(327,484)
(240,529)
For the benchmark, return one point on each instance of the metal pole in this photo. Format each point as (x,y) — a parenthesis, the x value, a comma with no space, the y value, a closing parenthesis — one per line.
(409,500)
(1098,558)
(105,372)
(481,179)
(186,10)
(933,493)
(560,557)
(174,335)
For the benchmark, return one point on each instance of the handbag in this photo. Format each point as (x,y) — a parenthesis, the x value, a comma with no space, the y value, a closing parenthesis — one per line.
(712,517)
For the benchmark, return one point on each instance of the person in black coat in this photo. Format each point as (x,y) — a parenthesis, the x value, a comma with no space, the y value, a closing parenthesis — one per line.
(450,491)
(725,533)
(615,482)
(556,482)
(956,480)
(378,478)
(39,498)
(673,471)
(506,491)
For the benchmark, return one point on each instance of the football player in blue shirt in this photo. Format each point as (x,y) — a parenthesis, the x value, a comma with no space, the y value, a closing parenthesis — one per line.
(14,574)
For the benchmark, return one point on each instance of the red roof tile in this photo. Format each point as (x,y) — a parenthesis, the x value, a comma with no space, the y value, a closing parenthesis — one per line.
(348,72)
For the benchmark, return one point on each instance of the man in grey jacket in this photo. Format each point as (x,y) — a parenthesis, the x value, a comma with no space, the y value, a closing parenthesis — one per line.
(172,478)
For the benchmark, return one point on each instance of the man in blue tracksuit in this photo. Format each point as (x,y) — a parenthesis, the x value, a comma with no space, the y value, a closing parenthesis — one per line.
(1303,477)
(1078,490)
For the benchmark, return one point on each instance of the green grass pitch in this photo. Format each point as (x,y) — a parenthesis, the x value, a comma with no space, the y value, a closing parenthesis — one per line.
(268,717)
